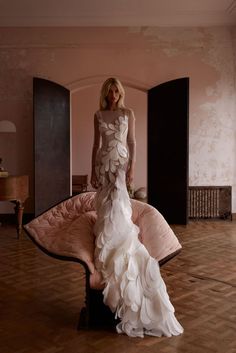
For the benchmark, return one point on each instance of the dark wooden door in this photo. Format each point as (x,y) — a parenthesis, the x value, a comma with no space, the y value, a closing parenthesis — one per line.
(168,107)
(51,143)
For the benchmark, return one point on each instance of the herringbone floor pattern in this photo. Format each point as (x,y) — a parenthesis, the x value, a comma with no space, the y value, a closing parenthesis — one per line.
(41,297)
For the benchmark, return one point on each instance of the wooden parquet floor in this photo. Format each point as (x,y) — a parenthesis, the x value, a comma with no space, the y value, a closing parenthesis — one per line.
(41,297)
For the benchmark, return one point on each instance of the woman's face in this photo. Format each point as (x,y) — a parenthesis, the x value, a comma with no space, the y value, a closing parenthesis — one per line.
(113,95)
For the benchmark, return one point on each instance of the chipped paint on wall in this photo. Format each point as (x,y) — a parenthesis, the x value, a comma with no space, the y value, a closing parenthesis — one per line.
(212,99)
(150,55)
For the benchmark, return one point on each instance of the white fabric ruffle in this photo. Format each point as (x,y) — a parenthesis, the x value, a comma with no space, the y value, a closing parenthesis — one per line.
(134,289)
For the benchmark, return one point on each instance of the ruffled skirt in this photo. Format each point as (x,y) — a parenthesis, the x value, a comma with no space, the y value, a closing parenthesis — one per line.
(134,289)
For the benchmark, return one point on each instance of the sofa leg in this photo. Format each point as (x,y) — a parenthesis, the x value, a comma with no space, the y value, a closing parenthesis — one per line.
(95,314)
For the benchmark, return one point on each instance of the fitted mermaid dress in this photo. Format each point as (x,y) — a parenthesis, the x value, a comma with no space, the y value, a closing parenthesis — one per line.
(133,287)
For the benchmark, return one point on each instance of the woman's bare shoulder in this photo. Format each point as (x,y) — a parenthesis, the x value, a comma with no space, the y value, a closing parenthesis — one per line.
(129,111)
(97,114)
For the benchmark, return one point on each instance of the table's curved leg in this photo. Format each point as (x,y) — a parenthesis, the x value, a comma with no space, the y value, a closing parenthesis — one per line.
(19,210)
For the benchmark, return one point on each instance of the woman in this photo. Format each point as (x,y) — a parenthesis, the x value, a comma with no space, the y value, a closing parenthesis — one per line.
(133,287)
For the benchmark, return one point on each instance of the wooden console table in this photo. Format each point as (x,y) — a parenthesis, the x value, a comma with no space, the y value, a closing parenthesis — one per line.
(16,190)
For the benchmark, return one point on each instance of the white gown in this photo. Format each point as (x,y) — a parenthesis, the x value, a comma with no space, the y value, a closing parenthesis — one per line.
(134,289)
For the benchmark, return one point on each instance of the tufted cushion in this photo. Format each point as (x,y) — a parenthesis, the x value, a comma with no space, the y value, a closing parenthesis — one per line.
(67,229)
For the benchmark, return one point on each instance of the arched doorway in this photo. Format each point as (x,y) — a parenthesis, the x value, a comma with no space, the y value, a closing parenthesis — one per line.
(167,143)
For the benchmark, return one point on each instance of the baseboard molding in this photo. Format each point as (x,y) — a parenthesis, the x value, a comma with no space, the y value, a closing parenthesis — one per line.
(10,218)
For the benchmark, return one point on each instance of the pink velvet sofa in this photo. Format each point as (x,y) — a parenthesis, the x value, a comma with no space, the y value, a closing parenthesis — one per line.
(66,232)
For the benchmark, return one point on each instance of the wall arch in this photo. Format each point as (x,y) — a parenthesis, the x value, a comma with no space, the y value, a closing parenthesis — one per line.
(86,82)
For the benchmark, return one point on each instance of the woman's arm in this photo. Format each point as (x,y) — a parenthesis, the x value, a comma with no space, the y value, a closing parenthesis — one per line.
(131,142)
(96,145)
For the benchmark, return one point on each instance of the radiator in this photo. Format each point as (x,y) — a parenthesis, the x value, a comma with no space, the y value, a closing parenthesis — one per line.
(210,202)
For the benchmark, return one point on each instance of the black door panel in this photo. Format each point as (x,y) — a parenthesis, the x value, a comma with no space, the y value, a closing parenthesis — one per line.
(168,106)
(51,143)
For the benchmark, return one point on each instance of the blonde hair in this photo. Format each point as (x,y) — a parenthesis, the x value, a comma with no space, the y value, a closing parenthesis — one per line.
(105,90)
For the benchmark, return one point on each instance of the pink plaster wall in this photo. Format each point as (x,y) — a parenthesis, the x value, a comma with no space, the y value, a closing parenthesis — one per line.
(81,58)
